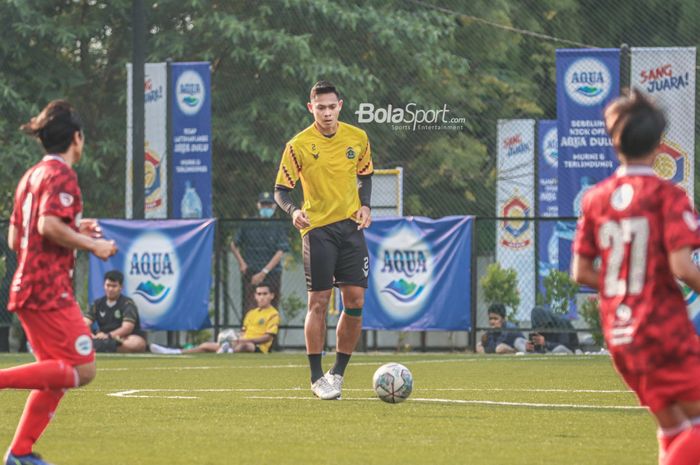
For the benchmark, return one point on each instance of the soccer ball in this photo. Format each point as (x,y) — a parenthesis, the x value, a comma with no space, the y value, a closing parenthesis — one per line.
(393,383)
(227,335)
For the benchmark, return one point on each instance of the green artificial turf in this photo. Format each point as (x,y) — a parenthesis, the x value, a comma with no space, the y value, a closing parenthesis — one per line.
(258,409)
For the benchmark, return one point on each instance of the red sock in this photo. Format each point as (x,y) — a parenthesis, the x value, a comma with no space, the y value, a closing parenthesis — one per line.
(685,449)
(665,440)
(49,374)
(37,414)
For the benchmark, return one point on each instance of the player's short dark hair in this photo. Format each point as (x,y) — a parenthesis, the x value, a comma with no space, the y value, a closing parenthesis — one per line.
(639,126)
(498,309)
(55,126)
(269,288)
(115,275)
(323,87)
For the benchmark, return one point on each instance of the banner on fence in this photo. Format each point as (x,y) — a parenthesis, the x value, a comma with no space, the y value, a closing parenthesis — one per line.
(155,143)
(167,268)
(191,134)
(547,162)
(667,75)
(515,198)
(587,80)
(420,274)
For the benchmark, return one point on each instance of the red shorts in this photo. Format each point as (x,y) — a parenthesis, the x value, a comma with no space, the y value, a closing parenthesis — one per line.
(667,385)
(58,335)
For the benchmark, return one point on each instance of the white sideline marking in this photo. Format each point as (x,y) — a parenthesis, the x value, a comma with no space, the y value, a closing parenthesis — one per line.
(375,363)
(478,402)
(147,394)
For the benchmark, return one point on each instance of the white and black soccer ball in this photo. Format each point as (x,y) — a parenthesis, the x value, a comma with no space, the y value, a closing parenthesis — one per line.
(227,335)
(393,383)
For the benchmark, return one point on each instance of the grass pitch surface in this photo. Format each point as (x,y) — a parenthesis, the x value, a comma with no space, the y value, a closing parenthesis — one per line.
(258,409)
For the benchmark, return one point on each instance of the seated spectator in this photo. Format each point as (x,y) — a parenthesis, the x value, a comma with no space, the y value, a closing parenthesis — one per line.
(551,333)
(117,318)
(503,337)
(260,326)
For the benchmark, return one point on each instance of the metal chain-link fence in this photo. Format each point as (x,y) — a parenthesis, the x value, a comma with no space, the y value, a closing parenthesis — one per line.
(427,80)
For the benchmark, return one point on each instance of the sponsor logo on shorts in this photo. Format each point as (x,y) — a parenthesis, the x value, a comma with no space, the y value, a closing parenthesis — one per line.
(83,345)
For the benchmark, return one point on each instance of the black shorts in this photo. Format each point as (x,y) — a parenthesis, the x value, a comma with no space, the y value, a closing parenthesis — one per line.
(334,255)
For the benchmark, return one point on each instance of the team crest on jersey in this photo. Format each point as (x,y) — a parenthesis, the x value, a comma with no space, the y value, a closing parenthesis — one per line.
(314,151)
(350,153)
(622,197)
(117,314)
(66,199)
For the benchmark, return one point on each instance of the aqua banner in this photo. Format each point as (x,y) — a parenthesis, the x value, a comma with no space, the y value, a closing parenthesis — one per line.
(547,186)
(167,267)
(420,274)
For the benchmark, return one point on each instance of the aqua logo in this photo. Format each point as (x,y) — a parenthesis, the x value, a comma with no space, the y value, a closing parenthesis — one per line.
(550,148)
(190,92)
(153,273)
(587,81)
(402,274)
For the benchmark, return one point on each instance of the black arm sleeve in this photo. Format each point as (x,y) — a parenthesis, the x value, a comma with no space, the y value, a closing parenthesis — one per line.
(365,190)
(284,200)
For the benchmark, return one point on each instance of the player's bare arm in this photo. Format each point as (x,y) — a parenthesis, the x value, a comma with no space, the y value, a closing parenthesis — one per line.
(684,269)
(583,271)
(56,230)
(13,238)
(90,227)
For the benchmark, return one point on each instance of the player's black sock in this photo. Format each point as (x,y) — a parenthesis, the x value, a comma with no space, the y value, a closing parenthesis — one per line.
(315,365)
(341,361)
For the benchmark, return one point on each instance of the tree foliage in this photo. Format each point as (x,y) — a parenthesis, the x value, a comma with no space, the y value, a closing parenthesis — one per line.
(265,55)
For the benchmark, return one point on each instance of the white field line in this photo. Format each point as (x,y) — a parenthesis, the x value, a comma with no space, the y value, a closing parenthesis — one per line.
(151,394)
(478,402)
(268,367)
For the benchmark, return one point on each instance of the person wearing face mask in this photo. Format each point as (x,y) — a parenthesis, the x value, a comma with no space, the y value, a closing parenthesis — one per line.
(259,247)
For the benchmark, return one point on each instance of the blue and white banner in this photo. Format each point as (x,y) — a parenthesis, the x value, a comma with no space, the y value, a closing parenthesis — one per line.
(167,268)
(547,206)
(587,80)
(420,274)
(515,199)
(155,142)
(191,133)
(667,75)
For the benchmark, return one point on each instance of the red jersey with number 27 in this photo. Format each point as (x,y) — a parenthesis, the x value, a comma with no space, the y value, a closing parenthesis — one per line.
(44,276)
(632,221)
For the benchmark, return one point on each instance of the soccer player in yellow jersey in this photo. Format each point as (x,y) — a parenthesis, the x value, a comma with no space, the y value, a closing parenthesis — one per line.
(334,163)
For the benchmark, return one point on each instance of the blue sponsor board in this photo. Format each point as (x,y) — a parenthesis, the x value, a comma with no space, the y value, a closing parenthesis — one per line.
(420,274)
(587,80)
(547,205)
(191,134)
(167,270)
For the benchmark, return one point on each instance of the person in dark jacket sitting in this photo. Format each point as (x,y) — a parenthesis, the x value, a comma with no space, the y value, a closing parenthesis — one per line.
(503,337)
(551,333)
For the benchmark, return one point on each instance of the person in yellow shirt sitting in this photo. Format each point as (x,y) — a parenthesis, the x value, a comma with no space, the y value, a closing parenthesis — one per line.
(260,327)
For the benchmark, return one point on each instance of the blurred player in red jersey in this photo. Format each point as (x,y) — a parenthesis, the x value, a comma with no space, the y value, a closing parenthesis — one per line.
(45,229)
(644,230)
